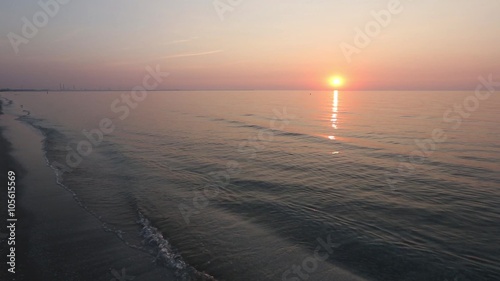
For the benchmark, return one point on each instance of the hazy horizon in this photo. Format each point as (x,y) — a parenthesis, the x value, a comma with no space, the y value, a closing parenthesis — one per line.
(250,45)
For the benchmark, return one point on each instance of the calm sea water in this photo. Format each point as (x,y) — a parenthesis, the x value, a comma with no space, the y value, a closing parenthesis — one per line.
(286,185)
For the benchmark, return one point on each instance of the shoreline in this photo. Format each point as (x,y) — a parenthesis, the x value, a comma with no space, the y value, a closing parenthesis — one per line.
(56,239)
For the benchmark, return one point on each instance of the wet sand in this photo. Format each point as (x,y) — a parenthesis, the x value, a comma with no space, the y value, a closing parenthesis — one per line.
(7,163)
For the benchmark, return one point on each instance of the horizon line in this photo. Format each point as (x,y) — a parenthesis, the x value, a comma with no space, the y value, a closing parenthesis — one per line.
(238,89)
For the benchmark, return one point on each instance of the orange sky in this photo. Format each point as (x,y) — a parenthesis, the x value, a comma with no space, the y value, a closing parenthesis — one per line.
(254,45)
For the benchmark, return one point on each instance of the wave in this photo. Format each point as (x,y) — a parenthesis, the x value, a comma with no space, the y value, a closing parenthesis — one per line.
(48,135)
(166,255)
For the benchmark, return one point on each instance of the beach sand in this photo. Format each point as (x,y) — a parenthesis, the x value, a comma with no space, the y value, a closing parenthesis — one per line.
(56,239)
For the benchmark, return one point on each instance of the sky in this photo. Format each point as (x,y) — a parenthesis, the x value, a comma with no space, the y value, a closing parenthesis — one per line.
(243,44)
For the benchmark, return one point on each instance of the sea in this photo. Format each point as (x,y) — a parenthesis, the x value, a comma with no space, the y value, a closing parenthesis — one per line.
(283,185)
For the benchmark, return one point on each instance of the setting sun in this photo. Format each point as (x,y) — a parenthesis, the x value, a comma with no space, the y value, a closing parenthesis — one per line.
(336,81)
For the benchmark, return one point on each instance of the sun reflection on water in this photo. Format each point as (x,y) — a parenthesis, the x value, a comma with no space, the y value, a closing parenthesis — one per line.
(335,109)
(334,119)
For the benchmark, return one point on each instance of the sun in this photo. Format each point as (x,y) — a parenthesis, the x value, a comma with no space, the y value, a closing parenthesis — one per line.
(336,81)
